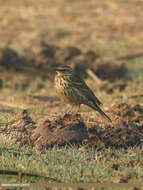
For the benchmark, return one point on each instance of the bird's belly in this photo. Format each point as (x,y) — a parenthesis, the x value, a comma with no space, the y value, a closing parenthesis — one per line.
(67,96)
(65,92)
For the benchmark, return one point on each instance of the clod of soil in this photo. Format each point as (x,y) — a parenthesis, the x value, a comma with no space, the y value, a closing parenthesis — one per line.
(126,130)
(11,60)
(48,50)
(67,53)
(108,70)
(138,108)
(71,129)
(46,57)
(122,135)
(128,112)
(19,129)
(67,130)
(111,87)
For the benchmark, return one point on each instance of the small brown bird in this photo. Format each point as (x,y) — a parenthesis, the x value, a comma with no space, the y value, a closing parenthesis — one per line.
(70,87)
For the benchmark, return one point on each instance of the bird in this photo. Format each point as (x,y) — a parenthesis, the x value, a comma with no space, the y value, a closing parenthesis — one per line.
(73,90)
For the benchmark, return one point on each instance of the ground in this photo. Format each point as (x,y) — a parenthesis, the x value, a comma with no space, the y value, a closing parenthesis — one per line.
(102,41)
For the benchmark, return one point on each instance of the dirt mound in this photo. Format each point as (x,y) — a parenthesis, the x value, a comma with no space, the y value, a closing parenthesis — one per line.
(67,130)
(111,70)
(66,54)
(121,135)
(11,60)
(19,129)
(126,130)
(27,62)
(44,58)
(128,112)
(108,70)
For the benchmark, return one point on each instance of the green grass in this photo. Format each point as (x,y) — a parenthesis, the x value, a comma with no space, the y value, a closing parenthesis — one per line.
(62,32)
(136,68)
(57,32)
(115,49)
(70,164)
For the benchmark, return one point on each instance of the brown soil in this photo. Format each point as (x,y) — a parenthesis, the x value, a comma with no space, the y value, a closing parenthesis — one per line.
(46,58)
(69,129)
(125,130)
(19,129)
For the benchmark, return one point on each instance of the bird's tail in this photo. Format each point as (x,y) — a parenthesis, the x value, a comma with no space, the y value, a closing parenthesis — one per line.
(97,108)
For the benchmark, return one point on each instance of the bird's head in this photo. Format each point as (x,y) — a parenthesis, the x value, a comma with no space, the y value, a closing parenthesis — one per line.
(65,70)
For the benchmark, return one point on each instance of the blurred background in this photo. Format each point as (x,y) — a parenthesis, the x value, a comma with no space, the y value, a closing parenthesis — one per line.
(101,40)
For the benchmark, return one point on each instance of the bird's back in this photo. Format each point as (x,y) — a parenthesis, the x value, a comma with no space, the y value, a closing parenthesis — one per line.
(81,86)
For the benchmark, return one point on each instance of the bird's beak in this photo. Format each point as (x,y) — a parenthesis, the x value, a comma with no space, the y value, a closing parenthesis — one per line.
(58,69)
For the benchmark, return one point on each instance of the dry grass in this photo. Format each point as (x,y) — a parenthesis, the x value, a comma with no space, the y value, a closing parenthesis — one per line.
(83,24)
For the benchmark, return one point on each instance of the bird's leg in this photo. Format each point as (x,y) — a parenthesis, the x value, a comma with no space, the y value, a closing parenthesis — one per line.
(70,110)
(78,107)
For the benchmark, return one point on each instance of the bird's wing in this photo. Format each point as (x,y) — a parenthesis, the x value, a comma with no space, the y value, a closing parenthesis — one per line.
(78,83)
